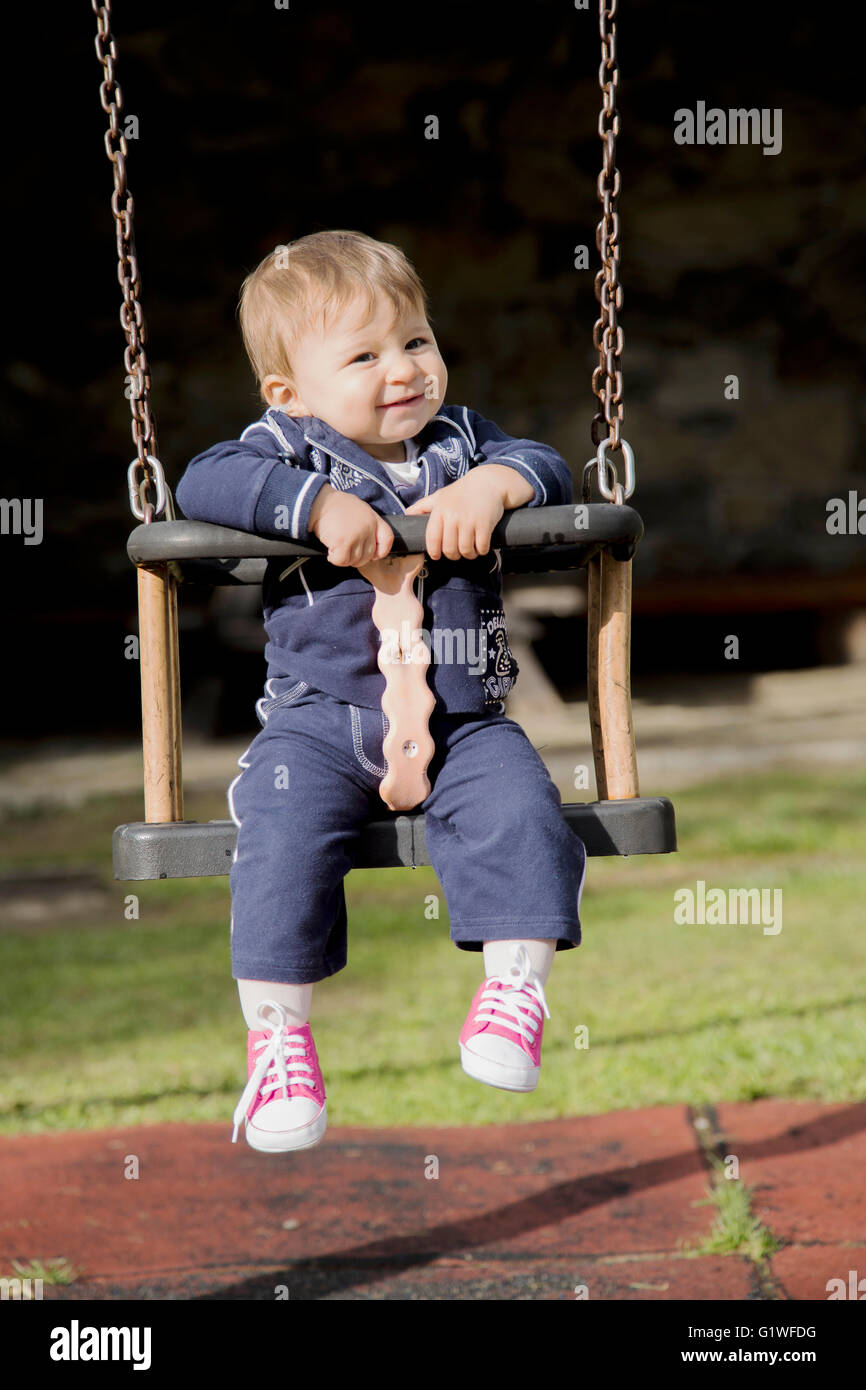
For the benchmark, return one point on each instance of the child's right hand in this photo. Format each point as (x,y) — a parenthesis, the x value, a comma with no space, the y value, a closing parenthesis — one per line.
(351,529)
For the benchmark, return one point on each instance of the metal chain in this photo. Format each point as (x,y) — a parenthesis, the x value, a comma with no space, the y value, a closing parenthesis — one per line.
(607,333)
(146,464)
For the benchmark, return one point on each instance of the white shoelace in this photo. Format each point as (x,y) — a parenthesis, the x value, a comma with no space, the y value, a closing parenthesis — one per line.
(273,1062)
(525,994)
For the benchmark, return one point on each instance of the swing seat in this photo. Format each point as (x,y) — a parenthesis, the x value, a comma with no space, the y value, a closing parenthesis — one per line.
(195,849)
(531,540)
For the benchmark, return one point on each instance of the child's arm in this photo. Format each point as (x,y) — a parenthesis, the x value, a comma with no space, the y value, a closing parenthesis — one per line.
(353,531)
(543,469)
(462,515)
(246,483)
(505,473)
(510,485)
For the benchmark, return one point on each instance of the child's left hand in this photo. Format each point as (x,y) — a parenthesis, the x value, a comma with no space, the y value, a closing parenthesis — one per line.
(462,516)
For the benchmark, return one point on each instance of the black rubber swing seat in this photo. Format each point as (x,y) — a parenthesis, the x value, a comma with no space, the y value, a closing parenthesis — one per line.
(196,849)
(531,540)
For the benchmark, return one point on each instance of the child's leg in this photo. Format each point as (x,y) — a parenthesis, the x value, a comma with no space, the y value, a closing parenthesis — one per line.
(510,866)
(500,1042)
(499,957)
(295,999)
(298,805)
(512,871)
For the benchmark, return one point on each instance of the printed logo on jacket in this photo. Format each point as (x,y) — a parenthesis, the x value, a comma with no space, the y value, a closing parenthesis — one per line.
(502,669)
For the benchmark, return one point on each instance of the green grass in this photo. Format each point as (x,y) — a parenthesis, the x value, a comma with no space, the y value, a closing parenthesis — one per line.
(57,1271)
(736,1230)
(118,1022)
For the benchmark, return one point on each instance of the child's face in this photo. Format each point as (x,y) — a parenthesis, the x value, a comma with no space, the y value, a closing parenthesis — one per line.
(349,375)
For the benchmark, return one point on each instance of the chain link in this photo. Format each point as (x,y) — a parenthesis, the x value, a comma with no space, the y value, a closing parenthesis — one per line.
(131,315)
(607,333)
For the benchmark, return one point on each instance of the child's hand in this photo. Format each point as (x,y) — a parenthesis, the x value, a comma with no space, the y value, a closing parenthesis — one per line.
(462,515)
(351,529)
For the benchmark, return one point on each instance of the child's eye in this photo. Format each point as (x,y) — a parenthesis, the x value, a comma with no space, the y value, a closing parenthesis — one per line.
(369,354)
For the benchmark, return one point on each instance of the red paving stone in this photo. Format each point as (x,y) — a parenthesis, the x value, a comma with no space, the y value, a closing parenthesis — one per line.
(805,1162)
(535,1211)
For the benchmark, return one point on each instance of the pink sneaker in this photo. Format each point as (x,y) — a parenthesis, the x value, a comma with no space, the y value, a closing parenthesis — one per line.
(284,1098)
(501,1039)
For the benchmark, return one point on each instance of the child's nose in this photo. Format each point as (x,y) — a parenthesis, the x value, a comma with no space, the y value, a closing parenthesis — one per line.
(402,367)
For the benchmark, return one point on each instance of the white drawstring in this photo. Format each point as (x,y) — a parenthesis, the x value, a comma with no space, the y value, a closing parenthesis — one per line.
(508,1003)
(272,1061)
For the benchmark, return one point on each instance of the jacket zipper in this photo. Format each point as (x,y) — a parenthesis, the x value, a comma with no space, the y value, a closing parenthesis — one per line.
(423,572)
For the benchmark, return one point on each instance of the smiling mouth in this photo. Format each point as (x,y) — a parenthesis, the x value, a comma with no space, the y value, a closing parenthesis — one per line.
(389,405)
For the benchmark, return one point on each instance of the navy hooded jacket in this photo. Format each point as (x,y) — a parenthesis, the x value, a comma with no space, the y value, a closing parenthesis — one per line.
(318,617)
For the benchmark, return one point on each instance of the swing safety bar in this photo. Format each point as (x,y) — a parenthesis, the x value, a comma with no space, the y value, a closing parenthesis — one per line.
(601,536)
(539,539)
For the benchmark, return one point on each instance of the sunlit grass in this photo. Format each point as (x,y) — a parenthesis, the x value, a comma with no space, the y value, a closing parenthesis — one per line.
(130,1021)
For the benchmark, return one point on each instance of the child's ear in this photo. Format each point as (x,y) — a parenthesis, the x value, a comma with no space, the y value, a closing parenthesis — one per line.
(278,391)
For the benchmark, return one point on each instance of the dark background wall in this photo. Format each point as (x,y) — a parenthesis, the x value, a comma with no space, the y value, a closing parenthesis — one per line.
(259,125)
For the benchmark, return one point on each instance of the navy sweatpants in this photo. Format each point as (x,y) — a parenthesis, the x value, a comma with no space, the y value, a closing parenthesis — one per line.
(509,865)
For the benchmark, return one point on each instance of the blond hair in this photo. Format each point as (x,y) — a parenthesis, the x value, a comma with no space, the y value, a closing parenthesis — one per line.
(313,279)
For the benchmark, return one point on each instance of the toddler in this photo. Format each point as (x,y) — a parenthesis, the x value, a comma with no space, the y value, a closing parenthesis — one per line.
(356,427)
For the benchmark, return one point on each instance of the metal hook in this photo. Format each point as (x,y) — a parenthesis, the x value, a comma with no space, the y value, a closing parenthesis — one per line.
(605,463)
(135,501)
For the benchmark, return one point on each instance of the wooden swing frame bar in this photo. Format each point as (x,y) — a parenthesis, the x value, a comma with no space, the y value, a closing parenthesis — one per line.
(159,661)
(608,675)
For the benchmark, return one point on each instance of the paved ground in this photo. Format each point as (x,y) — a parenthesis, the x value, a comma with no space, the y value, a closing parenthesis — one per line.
(517,1212)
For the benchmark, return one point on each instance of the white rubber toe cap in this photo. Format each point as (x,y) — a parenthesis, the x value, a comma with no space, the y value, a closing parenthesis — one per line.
(285,1125)
(498,1062)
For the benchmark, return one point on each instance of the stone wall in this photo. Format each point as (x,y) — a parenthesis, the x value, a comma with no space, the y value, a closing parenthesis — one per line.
(733,262)
(259,125)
